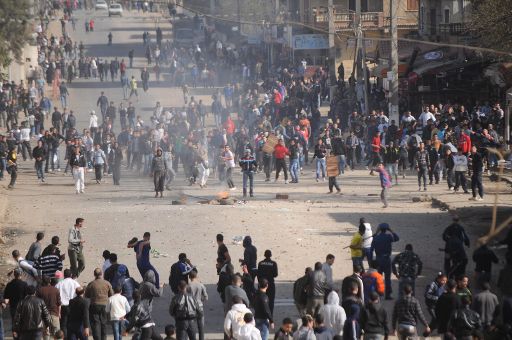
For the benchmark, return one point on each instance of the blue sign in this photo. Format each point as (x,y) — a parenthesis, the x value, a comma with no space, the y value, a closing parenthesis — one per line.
(310,42)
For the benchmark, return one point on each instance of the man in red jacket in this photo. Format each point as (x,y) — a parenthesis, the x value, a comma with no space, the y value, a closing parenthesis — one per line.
(280,152)
(464,143)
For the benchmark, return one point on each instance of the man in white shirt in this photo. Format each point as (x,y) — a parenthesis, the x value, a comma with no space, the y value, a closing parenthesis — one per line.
(408,118)
(425,116)
(117,307)
(67,289)
(25,141)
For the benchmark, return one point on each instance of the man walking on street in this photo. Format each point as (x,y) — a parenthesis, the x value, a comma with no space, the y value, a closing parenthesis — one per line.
(39,154)
(75,248)
(422,160)
(249,166)
(31,316)
(406,313)
(382,245)
(185,310)
(267,269)
(409,268)
(477,167)
(98,291)
(262,312)
(385,184)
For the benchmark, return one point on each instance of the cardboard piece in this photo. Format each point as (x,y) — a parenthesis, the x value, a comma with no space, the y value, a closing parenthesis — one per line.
(270,144)
(332,163)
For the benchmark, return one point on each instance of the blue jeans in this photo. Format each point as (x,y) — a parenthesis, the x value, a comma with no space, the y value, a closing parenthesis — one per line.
(39,171)
(343,162)
(1,329)
(263,326)
(248,176)
(367,252)
(117,329)
(54,161)
(320,165)
(294,169)
(64,101)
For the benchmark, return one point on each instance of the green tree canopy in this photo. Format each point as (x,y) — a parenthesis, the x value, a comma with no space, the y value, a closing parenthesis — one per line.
(491,22)
(15,29)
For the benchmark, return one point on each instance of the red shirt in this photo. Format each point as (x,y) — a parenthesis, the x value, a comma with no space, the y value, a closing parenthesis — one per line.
(376,141)
(280,151)
(465,143)
(229,125)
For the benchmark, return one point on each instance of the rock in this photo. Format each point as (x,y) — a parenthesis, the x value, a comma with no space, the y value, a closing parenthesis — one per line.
(416,199)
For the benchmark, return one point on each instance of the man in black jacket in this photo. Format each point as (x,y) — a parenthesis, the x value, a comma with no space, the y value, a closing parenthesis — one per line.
(15,291)
(374,318)
(185,310)
(447,303)
(30,316)
(267,269)
(262,312)
(249,166)
(477,168)
(465,323)
(39,154)
(78,317)
(250,256)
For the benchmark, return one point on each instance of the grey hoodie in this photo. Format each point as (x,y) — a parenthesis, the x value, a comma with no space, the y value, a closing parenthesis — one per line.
(147,289)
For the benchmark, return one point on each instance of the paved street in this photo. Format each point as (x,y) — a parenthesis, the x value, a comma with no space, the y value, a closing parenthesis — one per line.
(299,231)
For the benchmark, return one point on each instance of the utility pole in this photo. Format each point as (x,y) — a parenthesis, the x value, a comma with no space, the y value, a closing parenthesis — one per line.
(362,76)
(212,7)
(393,85)
(332,48)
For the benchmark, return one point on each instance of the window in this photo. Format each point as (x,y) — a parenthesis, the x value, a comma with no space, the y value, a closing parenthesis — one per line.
(446,16)
(412,5)
(367,5)
(375,5)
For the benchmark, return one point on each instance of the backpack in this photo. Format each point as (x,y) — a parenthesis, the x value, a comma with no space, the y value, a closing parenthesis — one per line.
(119,276)
(175,277)
(369,284)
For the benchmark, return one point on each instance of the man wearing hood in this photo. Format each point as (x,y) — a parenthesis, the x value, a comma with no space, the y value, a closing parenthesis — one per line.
(250,256)
(374,319)
(334,315)
(249,330)
(148,289)
(235,317)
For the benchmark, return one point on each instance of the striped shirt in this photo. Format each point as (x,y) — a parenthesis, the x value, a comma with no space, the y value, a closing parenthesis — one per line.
(48,265)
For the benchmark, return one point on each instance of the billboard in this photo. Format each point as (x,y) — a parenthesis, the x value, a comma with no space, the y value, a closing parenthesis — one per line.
(310,42)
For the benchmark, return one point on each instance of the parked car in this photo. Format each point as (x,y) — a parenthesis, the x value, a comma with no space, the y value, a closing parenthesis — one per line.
(101,4)
(115,9)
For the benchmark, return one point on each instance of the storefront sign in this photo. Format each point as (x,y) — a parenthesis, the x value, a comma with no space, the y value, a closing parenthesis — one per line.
(310,42)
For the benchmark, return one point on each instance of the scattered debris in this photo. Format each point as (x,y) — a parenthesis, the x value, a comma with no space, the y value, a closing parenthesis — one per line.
(282,196)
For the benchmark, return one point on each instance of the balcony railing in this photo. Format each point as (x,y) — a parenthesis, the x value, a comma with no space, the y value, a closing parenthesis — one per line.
(344,21)
(453,29)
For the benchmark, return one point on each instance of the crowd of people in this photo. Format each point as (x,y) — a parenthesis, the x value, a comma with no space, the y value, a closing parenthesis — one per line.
(45,300)
(264,120)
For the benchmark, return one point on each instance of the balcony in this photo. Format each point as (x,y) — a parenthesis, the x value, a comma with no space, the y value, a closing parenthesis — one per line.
(343,21)
(453,29)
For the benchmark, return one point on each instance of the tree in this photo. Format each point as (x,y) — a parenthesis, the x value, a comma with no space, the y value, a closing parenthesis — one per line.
(490,21)
(15,29)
